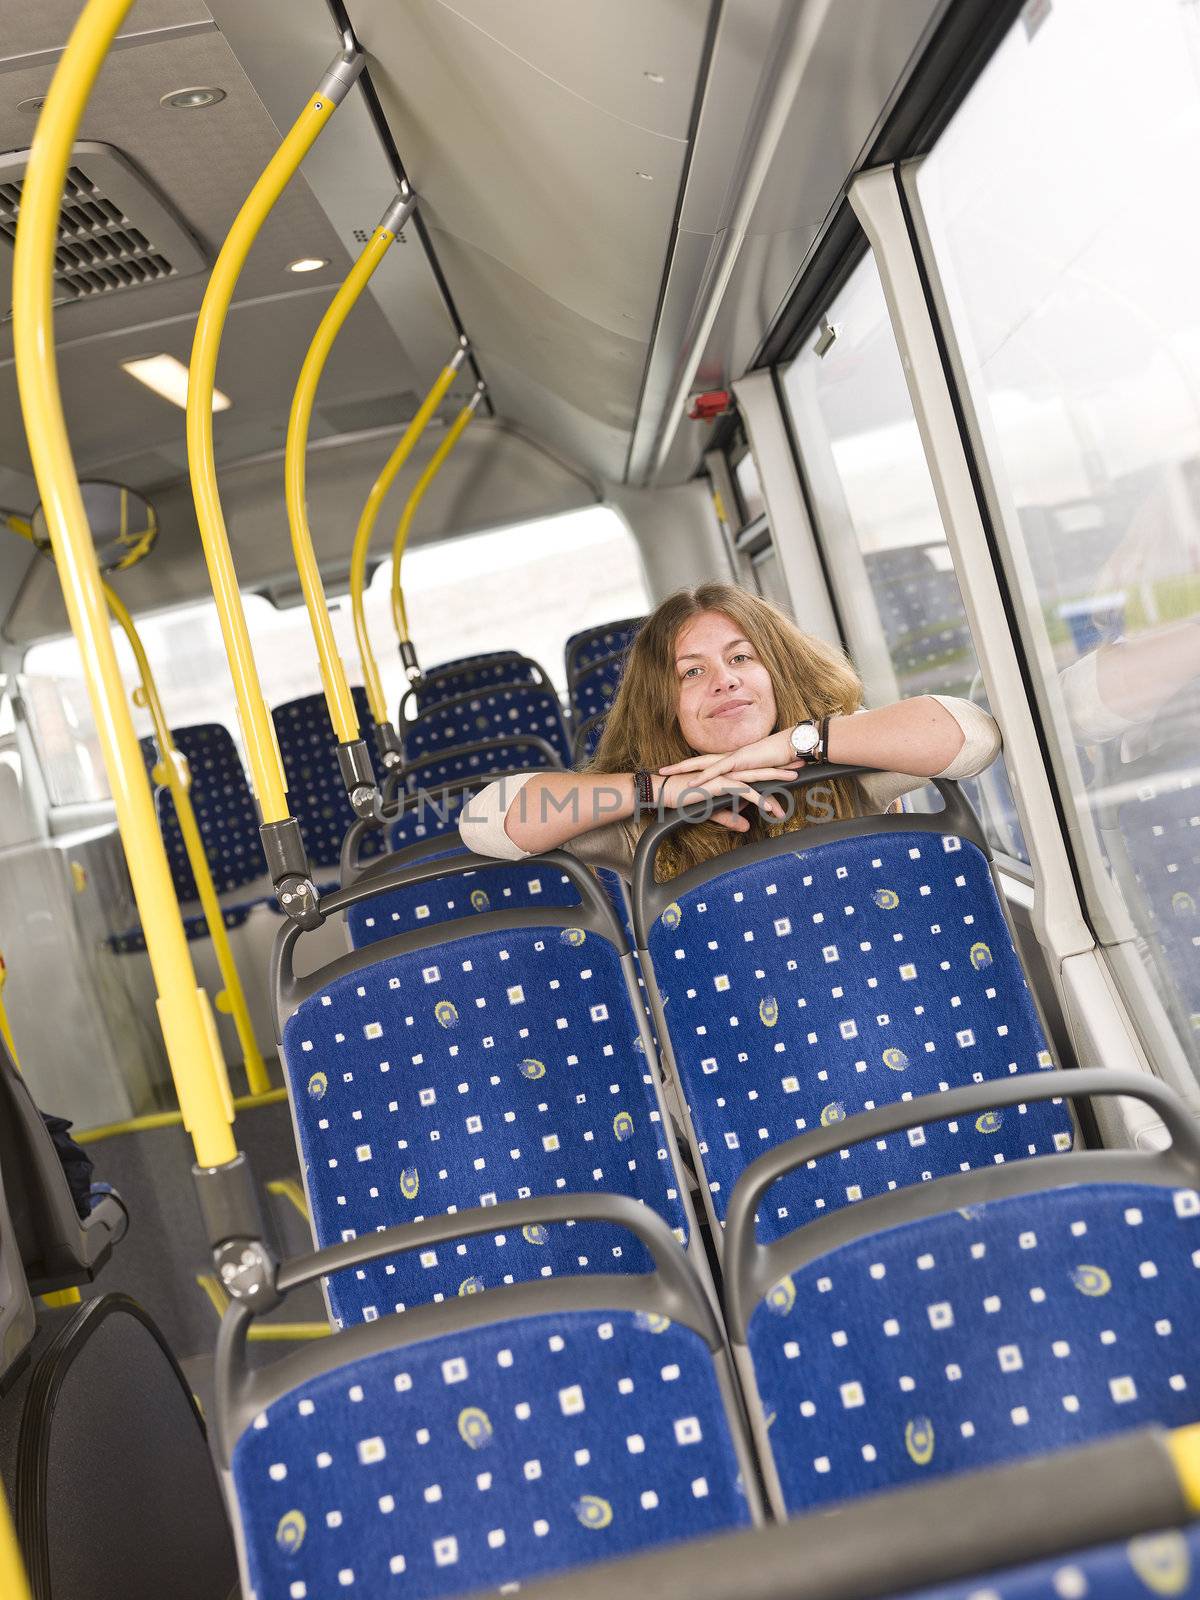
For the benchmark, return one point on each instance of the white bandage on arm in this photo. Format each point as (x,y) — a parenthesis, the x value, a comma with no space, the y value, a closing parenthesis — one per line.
(481,821)
(1092,721)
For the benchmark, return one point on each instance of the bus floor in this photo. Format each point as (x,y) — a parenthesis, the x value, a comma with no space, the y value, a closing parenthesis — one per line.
(163,1262)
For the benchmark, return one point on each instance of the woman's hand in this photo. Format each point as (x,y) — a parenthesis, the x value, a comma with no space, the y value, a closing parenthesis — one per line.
(774,751)
(685,789)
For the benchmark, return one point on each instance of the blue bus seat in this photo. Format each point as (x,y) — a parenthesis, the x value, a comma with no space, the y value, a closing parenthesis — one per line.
(316,790)
(590,645)
(502,713)
(486,1441)
(468,1063)
(829,970)
(981,1318)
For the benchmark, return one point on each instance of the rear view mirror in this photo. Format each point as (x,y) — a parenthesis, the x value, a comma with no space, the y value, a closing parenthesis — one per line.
(124,525)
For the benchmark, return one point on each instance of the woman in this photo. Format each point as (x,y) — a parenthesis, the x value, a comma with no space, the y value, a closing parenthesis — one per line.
(721,691)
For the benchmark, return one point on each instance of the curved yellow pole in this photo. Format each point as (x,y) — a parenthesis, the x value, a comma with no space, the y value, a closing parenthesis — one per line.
(436,462)
(257,728)
(172,770)
(5,1027)
(366,527)
(333,672)
(189,1029)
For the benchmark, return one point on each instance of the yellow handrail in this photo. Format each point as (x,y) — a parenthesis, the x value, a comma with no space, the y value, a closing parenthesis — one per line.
(172,770)
(436,462)
(188,1026)
(5,1026)
(366,527)
(338,698)
(257,728)
(14,1585)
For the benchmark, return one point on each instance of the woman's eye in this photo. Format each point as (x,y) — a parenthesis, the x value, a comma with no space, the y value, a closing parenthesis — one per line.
(742,655)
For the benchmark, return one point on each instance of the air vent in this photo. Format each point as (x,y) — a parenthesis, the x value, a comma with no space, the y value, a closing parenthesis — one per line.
(362,235)
(115,231)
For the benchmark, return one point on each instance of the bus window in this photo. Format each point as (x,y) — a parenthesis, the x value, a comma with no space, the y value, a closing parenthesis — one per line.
(529,588)
(879,523)
(1075,304)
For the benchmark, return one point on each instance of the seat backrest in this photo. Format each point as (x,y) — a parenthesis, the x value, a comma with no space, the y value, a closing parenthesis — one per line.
(587,740)
(479,1443)
(475,1061)
(831,970)
(487,758)
(56,1247)
(507,886)
(316,789)
(504,712)
(18,1322)
(1161,1562)
(225,811)
(585,648)
(453,678)
(976,1319)
(593,691)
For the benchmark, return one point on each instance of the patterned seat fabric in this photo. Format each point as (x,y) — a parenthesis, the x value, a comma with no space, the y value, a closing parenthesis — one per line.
(489,1068)
(815,984)
(486,1457)
(224,806)
(501,888)
(584,649)
(453,678)
(1165,1563)
(587,740)
(195,927)
(517,756)
(1003,1330)
(433,816)
(1160,830)
(593,693)
(316,793)
(490,714)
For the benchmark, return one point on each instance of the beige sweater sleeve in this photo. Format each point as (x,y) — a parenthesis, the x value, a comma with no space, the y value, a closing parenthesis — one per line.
(612,845)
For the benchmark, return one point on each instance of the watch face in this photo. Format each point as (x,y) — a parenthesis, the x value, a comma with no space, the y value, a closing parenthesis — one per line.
(805,738)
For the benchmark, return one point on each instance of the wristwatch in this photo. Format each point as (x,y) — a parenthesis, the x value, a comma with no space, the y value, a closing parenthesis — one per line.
(805,740)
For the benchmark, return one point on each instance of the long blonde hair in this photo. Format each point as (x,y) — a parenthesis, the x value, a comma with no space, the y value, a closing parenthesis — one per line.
(810,678)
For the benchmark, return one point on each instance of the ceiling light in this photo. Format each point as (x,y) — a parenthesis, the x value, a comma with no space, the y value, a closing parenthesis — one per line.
(169,378)
(34,104)
(308,264)
(655,77)
(192,99)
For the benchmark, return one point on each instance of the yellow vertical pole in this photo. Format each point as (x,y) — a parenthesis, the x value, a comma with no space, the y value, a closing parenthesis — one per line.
(172,771)
(257,729)
(436,462)
(189,1030)
(14,1585)
(366,527)
(10,1043)
(333,672)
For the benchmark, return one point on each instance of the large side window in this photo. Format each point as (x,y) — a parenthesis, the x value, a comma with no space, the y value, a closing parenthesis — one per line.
(878,521)
(525,588)
(1065,240)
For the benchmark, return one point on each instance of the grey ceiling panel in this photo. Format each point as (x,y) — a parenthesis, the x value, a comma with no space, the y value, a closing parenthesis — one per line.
(512,163)
(608,52)
(551,344)
(28,25)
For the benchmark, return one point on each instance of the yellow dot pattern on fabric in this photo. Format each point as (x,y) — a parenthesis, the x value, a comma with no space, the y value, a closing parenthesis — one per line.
(623,1125)
(835,1111)
(479,900)
(529,1068)
(1161,1561)
(989,1122)
(1091,1280)
(895,1060)
(981,955)
(289,1535)
(474,1427)
(410,1183)
(781,1297)
(672,916)
(471,1285)
(918,1440)
(593,1511)
(886,899)
(768,1011)
(446,1013)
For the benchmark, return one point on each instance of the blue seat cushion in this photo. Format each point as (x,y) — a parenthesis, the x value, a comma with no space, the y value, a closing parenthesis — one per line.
(590,645)
(504,887)
(1161,830)
(595,691)
(486,1069)
(1023,1325)
(807,987)
(471,672)
(223,806)
(519,756)
(195,926)
(503,712)
(1165,1563)
(487,1457)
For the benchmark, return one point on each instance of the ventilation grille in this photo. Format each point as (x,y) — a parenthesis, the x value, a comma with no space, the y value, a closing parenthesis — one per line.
(114,231)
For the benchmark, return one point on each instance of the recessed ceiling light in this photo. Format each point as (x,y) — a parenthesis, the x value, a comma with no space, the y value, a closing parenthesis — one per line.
(308,264)
(35,103)
(655,77)
(647,177)
(169,378)
(192,99)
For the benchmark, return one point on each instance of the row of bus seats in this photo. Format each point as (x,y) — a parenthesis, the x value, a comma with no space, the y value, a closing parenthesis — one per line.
(924,1282)
(92,1404)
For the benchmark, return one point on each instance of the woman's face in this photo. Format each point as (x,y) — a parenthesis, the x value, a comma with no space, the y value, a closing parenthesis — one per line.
(726,699)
